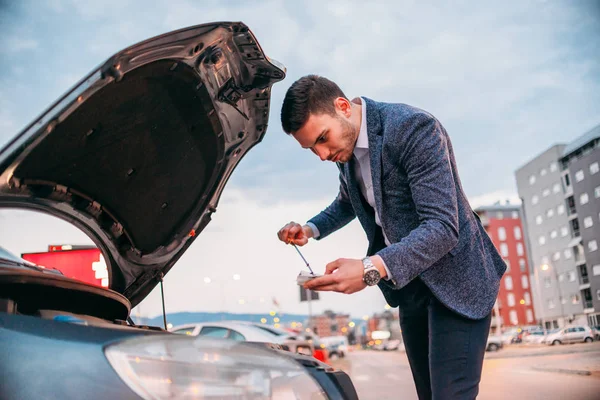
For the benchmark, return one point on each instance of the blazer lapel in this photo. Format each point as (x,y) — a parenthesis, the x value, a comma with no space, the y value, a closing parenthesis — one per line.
(375,145)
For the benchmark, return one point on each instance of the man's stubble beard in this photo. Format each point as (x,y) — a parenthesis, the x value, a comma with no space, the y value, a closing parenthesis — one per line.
(349,138)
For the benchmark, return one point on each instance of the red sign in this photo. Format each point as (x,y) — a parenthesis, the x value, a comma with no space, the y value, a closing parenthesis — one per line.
(84,265)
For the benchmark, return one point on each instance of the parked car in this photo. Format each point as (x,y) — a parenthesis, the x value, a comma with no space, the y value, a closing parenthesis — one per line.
(337,345)
(570,334)
(494,343)
(136,156)
(244,332)
(596,330)
(534,337)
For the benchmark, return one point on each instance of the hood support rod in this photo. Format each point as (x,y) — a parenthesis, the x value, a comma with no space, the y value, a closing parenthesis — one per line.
(162,295)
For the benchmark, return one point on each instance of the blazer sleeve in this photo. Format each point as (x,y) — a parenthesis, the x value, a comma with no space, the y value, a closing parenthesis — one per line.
(339,213)
(425,157)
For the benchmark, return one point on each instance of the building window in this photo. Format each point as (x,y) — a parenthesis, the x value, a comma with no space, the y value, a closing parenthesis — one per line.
(520,250)
(579,176)
(588,222)
(539,220)
(584,198)
(515,215)
(529,314)
(568,254)
(524,281)
(562,300)
(512,315)
(561,277)
(501,233)
(560,210)
(511,299)
(556,256)
(572,276)
(542,240)
(507,264)
(508,283)
(532,179)
(556,188)
(550,213)
(546,193)
(517,233)
(597,192)
(499,215)
(567,180)
(553,167)
(504,249)
(553,234)
(547,282)
(564,231)
(550,303)
(598,294)
(575,298)
(543,172)
(534,200)
(594,168)
(522,264)
(592,245)
(596,270)
(527,298)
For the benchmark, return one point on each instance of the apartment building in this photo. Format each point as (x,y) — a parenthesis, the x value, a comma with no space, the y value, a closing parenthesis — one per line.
(557,189)
(503,225)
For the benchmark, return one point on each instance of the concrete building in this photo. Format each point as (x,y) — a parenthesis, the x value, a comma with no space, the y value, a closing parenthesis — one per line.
(503,225)
(581,178)
(330,324)
(547,188)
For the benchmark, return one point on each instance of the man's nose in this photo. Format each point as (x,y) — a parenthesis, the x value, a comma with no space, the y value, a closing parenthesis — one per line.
(322,153)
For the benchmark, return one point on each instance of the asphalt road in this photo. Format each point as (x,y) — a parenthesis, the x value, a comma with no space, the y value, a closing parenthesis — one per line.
(559,372)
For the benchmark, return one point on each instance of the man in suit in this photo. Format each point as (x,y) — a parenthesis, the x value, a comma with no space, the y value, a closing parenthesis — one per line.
(428,251)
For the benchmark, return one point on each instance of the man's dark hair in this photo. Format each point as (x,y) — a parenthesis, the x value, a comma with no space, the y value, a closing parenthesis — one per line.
(311,94)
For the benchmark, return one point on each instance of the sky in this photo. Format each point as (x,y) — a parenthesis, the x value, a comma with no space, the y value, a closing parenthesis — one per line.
(507,80)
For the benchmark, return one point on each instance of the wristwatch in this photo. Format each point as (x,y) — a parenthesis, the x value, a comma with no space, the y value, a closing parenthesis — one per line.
(371,275)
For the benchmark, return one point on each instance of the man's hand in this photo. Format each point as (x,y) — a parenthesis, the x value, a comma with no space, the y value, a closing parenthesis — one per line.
(343,275)
(295,233)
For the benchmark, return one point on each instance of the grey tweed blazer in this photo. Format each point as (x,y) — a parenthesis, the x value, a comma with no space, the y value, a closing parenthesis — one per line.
(435,235)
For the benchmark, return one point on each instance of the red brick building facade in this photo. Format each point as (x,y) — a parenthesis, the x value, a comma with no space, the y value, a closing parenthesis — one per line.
(515,301)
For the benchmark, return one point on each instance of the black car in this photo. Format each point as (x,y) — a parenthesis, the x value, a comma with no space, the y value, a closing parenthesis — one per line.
(136,155)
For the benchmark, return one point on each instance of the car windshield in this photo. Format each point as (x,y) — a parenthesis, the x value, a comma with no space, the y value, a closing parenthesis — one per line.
(7,256)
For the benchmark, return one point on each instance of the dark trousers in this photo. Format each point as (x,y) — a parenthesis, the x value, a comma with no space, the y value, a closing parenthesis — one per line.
(444,349)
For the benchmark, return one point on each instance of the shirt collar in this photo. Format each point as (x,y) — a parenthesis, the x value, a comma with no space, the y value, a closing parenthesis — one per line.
(362,142)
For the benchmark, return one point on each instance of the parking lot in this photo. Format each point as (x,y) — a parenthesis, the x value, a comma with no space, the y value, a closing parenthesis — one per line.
(518,371)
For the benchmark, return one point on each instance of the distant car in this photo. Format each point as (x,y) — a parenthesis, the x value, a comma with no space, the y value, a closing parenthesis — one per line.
(394,344)
(596,330)
(337,345)
(494,343)
(136,156)
(570,334)
(229,330)
(534,337)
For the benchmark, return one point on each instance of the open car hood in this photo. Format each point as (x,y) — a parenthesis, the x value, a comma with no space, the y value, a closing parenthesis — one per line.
(138,152)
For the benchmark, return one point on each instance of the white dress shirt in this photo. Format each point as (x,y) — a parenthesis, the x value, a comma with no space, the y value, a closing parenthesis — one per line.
(362,173)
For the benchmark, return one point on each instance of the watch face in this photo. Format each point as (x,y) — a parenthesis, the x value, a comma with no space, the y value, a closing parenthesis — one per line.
(372,277)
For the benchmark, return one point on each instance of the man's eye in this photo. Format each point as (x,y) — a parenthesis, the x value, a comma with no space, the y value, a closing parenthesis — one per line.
(322,139)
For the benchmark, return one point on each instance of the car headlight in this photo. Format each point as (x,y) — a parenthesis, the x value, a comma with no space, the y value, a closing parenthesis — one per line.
(161,367)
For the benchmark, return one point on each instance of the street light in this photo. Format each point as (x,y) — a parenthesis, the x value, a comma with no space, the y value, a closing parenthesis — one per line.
(545,267)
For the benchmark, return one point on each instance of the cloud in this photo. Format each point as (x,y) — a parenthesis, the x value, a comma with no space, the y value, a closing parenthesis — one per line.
(20,44)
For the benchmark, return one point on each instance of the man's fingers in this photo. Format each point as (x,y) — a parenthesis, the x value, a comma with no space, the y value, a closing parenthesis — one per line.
(288,232)
(327,288)
(316,283)
(332,266)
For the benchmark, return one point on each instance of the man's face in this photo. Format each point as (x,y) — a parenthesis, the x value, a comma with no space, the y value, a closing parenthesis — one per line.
(330,137)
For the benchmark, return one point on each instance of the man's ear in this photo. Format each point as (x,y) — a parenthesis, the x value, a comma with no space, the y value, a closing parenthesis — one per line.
(342,105)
